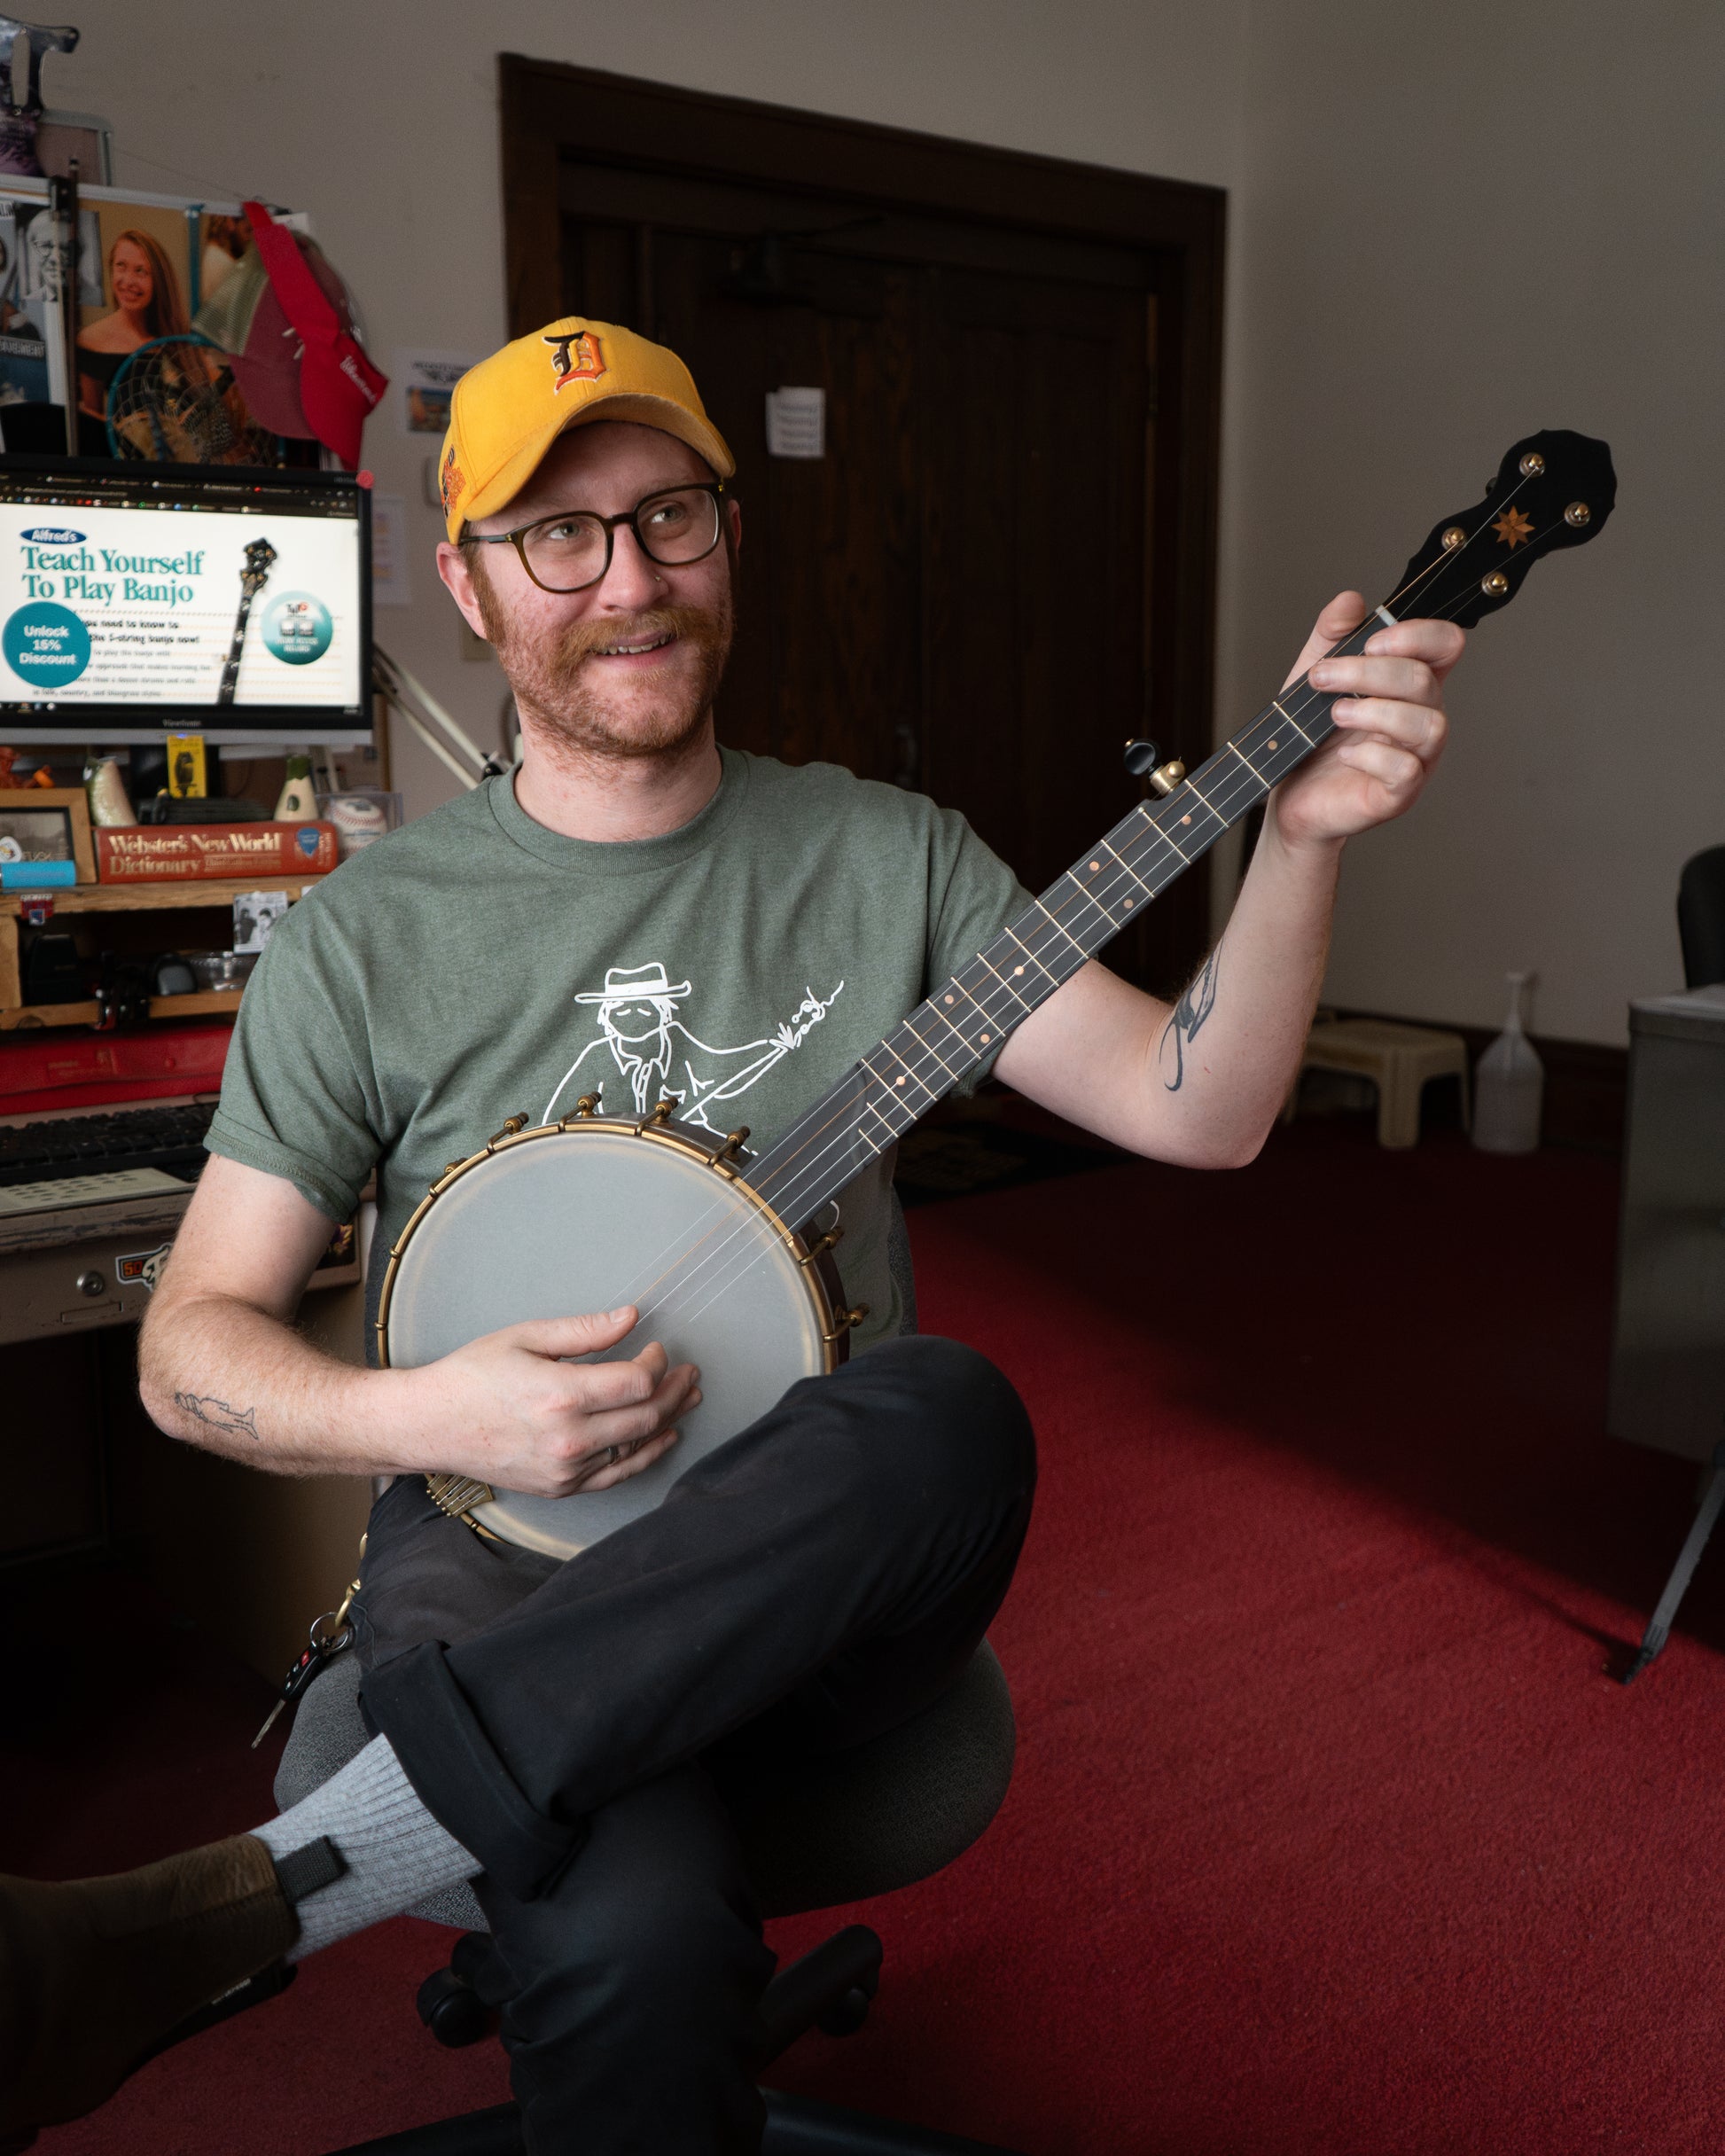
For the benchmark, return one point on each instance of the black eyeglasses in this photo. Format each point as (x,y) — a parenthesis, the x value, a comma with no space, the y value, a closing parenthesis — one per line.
(572,550)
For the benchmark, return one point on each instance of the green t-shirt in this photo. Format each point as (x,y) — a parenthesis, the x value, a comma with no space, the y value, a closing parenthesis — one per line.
(475,966)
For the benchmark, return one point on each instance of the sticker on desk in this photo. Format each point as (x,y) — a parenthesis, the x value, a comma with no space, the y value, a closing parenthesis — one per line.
(143,1268)
(64,1191)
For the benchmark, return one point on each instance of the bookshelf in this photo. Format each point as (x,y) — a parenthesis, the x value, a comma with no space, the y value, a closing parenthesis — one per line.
(182,895)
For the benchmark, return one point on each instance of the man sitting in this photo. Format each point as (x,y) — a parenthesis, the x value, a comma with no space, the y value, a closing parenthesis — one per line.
(634,907)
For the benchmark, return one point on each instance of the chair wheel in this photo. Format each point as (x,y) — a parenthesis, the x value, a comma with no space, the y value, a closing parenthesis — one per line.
(847,2014)
(451,2009)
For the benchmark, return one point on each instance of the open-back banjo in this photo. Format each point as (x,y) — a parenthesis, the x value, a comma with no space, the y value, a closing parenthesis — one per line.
(719,1250)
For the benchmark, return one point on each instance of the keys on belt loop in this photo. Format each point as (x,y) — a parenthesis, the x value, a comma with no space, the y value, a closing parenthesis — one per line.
(328,1635)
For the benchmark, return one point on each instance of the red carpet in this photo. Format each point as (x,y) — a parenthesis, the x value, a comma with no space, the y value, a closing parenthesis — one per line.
(1330,1832)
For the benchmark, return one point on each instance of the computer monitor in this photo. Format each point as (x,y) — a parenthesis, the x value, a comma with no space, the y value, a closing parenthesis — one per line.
(138,600)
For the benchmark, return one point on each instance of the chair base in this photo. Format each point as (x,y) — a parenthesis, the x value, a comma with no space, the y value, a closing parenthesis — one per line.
(796,2125)
(829,1988)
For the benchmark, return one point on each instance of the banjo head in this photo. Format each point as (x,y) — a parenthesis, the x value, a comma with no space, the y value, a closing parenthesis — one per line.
(586,1216)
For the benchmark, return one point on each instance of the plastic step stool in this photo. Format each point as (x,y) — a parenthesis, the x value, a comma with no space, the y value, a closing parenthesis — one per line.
(1399,1060)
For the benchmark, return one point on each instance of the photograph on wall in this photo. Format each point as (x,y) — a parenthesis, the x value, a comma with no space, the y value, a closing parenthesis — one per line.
(32,363)
(23,347)
(223,239)
(427,381)
(141,266)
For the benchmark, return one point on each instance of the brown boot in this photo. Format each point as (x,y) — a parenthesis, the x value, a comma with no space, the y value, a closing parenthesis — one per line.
(95,1973)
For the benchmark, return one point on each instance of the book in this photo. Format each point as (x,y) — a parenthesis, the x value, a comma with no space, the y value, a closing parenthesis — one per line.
(170,853)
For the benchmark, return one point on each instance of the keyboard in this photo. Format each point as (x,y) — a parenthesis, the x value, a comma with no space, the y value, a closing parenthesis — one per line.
(169,1139)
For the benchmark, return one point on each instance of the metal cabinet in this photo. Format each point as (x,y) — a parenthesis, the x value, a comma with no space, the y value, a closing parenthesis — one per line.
(1668,1384)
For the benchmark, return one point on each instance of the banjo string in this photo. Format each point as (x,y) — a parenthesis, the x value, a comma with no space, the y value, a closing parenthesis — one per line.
(1236,790)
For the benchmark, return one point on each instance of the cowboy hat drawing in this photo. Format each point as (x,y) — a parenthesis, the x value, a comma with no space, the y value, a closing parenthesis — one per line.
(628,984)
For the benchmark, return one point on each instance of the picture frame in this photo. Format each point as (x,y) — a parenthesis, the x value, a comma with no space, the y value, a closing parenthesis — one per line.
(20,806)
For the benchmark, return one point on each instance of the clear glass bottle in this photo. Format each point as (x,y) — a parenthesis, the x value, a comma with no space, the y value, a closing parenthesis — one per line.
(1508,1086)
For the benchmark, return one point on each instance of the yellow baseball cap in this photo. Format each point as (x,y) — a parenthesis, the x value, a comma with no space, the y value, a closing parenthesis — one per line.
(507,411)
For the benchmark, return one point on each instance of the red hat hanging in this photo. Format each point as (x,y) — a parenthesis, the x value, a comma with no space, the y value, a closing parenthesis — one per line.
(303,372)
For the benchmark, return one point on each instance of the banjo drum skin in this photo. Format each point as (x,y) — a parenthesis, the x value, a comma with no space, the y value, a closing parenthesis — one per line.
(587,1214)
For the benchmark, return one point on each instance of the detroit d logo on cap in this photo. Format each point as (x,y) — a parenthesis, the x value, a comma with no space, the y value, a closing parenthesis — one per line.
(577,355)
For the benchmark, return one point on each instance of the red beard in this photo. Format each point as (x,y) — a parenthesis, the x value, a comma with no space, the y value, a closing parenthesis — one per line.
(555,686)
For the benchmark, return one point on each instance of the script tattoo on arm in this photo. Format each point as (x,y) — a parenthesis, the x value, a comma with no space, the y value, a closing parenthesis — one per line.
(217,1414)
(1187,1022)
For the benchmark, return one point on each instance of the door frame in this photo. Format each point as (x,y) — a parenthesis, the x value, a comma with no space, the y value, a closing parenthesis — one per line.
(548,109)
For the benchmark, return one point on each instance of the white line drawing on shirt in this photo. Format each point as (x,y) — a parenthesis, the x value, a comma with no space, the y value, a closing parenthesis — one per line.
(636,1012)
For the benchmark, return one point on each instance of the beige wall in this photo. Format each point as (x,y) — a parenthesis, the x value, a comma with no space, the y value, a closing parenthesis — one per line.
(1456,226)
(1449,227)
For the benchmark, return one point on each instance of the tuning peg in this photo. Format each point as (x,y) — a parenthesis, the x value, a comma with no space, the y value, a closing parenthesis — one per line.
(1167,777)
(1141,757)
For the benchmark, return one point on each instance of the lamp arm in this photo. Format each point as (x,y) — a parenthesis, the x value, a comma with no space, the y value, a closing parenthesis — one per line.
(404,691)
(432,742)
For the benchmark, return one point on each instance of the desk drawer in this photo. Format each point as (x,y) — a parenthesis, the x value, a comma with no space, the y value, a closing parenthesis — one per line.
(107,1280)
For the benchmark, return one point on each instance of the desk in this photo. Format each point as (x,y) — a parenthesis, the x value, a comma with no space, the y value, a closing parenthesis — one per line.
(254,1557)
(50,1261)
(1668,1382)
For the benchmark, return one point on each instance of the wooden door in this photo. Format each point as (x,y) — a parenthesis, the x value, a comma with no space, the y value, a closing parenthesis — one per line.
(962,594)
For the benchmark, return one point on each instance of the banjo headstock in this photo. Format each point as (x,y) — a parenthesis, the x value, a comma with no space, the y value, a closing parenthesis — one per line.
(260,559)
(1553,489)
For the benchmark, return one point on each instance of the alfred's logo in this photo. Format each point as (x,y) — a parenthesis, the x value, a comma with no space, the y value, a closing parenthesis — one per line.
(50,535)
(577,355)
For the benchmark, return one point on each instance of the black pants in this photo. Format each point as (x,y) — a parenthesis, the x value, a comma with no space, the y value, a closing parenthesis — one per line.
(576,1726)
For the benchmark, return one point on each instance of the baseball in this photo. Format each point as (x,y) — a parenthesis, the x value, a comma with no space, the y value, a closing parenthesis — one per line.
(357,821)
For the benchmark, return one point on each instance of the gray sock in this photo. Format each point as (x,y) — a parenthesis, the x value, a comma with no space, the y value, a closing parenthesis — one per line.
(394,1852)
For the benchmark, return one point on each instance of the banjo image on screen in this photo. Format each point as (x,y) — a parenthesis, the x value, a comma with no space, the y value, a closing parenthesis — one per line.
(723,1252)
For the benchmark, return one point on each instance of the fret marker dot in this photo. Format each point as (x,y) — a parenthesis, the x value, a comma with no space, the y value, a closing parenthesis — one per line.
(985,1040)
(948,999)
(1095,864)
(898,1081)
(1185,819)
(1126,901)
(1018,969)
(1269,745)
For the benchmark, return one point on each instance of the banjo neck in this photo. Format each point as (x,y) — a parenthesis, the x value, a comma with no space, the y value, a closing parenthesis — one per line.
(968,1018)
(1554,489)
(260,558)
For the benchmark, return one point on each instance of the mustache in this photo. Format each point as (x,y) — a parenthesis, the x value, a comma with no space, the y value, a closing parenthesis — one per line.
(689,624)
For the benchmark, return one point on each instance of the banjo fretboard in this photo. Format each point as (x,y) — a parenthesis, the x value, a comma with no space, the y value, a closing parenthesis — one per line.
(968,1017)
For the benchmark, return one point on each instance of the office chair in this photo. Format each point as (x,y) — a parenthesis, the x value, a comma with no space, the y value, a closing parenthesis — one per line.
(861,1822)
(847,1827)
(1701,917)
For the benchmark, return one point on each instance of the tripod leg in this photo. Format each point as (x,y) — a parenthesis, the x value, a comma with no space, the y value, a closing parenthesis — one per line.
(1683,1571)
